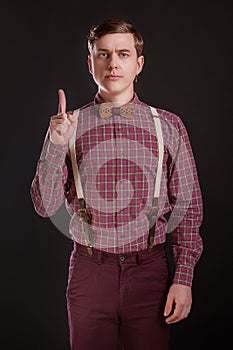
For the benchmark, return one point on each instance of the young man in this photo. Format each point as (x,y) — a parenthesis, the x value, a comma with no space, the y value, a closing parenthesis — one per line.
(119,281)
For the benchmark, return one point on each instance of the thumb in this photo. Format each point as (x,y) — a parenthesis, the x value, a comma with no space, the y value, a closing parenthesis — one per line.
(168,306)
(62,101)
(72,117)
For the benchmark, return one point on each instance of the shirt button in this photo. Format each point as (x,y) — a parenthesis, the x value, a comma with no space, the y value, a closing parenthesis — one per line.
(122,258)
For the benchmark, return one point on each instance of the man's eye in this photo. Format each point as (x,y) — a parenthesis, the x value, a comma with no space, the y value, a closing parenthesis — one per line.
(103,54)
(124,54)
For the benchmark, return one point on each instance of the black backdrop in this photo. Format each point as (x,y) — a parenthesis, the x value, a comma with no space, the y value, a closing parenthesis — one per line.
(188,70)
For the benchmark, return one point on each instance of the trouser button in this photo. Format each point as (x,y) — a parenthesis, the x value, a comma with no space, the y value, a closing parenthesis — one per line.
(122,258)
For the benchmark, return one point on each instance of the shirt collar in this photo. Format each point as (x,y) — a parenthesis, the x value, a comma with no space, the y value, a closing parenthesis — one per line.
(98,99)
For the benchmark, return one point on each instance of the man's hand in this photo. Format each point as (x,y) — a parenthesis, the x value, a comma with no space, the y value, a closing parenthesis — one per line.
(179,301)
(62,125)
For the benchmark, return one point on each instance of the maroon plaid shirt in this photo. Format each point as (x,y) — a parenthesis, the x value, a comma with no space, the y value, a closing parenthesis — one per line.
(117,160)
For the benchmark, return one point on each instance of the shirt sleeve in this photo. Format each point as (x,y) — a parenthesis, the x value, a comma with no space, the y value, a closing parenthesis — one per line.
(48,185)
(186,206)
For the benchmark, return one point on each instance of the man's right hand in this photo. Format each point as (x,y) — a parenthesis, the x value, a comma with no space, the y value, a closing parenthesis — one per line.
(62,126)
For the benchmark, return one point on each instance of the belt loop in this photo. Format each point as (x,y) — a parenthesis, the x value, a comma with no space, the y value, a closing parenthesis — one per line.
(100,258)
(138,260)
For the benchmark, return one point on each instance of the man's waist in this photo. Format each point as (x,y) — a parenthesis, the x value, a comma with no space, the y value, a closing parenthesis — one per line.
(122,256)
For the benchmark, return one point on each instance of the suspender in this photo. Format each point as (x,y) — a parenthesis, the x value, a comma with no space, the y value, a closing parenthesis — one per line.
(154,211)
(83,213)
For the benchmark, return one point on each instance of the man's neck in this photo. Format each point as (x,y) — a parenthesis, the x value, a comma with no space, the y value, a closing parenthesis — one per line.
(116,98)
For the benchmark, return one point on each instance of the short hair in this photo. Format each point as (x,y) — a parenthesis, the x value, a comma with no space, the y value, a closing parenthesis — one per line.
(112,26)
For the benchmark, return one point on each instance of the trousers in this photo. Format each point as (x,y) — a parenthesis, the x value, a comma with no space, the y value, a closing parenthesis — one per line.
(117,295)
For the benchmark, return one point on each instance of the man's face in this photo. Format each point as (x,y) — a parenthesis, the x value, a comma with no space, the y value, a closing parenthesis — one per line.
(114,64)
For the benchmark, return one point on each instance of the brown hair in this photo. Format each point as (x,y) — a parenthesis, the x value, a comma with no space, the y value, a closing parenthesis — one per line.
(112,26)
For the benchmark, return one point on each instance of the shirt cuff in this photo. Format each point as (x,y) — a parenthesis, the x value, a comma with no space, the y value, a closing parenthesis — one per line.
(183,275)
(55,154)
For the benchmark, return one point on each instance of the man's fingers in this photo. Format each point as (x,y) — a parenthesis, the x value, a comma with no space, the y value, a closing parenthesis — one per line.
(62,101)
(174,317)
(169,304)
(72,117)
(59,117)
(61,121)
(180,312)
(168,308)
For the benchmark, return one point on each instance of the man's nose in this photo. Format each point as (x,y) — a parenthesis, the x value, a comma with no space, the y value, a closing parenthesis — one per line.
(113,62)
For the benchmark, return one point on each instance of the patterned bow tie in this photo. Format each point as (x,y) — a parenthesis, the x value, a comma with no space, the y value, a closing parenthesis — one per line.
(106,110)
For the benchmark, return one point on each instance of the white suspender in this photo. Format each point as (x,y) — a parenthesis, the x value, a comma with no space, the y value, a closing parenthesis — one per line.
(83,213)
(160,144)
(78,185)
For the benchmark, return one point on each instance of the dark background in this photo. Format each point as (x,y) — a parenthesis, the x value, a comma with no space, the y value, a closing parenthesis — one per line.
(188,70)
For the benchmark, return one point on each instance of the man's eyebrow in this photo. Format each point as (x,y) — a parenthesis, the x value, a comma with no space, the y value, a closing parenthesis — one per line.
(120,50)
(101,49)
(124,50)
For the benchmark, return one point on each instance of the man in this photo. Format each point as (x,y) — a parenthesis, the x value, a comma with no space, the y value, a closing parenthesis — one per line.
(119,282)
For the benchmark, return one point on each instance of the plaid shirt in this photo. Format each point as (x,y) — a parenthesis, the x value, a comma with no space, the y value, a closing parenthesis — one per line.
(117,160)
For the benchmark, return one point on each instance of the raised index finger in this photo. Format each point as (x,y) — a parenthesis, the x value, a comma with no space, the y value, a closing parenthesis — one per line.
(62,101)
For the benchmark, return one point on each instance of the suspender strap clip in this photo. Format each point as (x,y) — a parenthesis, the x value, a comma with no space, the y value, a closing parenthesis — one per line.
(90,250)
(152,223)
(150,243)
(154,211)
(84,217)
(82,211)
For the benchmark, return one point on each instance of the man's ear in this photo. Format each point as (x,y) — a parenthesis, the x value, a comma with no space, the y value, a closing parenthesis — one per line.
(140,64)
(89,62)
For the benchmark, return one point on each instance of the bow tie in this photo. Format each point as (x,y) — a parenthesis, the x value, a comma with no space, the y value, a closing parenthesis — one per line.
(107,110)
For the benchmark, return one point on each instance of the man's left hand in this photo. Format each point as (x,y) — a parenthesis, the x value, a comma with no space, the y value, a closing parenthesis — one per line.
(179,301)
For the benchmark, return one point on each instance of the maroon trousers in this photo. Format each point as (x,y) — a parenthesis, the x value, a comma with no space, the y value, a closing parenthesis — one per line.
(111,295)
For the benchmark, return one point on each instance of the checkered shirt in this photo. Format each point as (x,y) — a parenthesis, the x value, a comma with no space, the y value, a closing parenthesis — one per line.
(117,160)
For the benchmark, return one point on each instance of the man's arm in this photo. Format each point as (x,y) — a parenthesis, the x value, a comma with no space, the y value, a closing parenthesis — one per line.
(185,221)
(47,189)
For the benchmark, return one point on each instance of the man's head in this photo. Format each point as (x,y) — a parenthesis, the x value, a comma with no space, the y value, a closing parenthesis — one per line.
(115,58)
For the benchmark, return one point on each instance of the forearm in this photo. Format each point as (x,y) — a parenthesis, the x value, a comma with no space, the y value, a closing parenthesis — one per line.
(47,189)
(186,242)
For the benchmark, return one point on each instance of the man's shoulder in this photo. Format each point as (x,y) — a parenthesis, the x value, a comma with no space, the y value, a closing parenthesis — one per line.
(170,117)
(164,114)
(167,114)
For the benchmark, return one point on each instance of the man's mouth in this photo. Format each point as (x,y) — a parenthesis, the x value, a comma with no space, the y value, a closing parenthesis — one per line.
(113,77)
